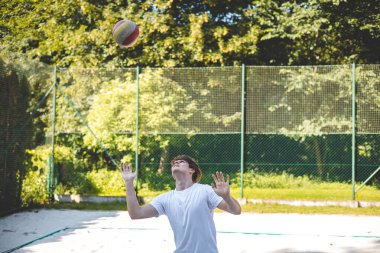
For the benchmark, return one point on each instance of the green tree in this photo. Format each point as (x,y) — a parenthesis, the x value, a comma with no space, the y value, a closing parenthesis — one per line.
(194,33)
(318,32)
(15,135)
(112,116)
(78,33)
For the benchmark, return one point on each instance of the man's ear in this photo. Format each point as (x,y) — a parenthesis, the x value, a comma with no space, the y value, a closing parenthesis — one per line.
(193,170)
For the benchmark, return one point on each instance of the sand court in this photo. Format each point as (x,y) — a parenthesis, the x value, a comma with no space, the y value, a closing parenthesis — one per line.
(113,231)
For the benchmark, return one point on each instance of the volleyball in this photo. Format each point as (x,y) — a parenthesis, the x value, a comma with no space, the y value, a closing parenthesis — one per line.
(125,33)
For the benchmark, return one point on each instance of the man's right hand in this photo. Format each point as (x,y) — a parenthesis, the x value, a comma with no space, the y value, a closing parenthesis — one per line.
(134,209)
(127,173)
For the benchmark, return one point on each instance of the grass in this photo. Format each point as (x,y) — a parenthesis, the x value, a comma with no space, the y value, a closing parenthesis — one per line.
(273,208)
(111,206)
(317,191)
(322,192)
(289,187)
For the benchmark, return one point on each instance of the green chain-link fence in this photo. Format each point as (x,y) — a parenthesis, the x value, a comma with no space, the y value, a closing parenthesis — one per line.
(296,120)
(247,119)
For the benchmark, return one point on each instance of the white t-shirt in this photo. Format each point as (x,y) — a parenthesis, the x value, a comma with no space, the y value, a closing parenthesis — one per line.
(190,213)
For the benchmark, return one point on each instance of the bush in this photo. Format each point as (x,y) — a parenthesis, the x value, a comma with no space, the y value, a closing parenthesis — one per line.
(34,186)
(74,182)
(106,182)
(256,179)
(96,182)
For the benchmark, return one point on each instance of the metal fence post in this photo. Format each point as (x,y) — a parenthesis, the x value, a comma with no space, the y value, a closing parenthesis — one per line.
(242,133)
(353,134)
(137,127)
(51,173)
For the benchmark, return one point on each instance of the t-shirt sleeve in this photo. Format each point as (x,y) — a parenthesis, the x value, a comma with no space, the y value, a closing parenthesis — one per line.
(158,204)
(213,198)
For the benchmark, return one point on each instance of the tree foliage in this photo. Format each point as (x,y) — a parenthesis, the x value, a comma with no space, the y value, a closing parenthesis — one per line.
(15,135)
(194,33)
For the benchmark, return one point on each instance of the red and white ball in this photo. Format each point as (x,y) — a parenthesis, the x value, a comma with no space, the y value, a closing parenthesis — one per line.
(125,33)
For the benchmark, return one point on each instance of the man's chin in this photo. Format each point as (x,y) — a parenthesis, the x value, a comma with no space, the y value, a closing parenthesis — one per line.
(176,172)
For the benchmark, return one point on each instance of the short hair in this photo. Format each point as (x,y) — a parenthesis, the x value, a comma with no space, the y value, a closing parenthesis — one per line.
(192,164)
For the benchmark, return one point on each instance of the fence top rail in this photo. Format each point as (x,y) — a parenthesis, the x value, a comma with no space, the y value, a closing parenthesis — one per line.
(219,67)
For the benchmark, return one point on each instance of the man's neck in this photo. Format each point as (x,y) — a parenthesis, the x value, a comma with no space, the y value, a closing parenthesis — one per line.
(181,185)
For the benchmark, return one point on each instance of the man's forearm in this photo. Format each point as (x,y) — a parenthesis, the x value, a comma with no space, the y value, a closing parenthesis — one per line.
(232,205)
(132,202)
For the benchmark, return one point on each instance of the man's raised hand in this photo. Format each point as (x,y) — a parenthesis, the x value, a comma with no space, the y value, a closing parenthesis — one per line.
(127,173)
(221,187)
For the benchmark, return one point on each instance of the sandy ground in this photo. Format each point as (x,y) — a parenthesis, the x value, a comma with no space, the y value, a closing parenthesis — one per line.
(113,231)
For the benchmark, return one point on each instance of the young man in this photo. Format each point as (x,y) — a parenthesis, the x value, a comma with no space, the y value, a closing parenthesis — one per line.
(189,207)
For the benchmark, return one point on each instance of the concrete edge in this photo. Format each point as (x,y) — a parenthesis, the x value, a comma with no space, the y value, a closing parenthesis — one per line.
(87,199)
